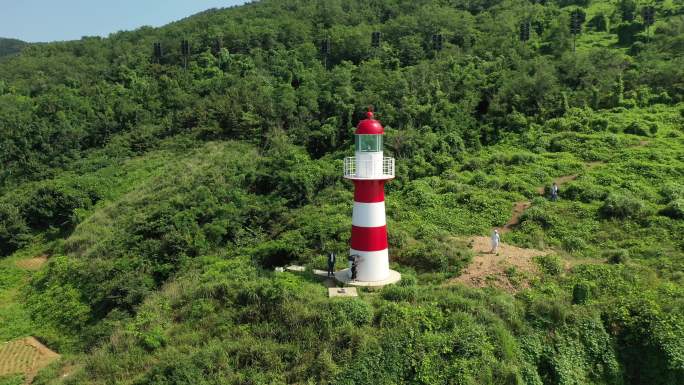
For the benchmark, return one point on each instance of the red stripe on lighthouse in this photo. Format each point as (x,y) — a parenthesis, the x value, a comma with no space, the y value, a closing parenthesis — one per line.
(369,191)
(369,238)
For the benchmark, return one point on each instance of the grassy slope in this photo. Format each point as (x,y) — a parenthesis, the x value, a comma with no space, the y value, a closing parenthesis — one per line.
(114,181)
(166,325)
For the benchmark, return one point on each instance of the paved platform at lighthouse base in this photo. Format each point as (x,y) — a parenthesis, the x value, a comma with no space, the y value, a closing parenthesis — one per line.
(342,276)
(342,292)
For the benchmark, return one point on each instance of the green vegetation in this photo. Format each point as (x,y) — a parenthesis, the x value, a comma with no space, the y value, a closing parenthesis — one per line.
(165,196)
(12,380)
(10,46)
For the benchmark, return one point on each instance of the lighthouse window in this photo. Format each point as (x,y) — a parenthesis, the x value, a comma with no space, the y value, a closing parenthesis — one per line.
(368,143)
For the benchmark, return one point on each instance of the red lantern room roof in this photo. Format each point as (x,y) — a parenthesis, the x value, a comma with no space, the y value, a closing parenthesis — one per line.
(369,126)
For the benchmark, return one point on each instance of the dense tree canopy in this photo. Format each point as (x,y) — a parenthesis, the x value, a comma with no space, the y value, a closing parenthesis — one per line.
(10,46)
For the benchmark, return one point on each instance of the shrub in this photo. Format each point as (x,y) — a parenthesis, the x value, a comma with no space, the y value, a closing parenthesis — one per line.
(516,122)
(567,3)
(399,293)
(662,97)
(550,264)
(629,102)
(627,9)
(637,128)
(637,320)
(599,22)
(569,123)
(627,32)
(13,229)
(474,164)
(653,128)
(621,206)
(408,280)
(674,209)
(152,339)
(267,294)
(538,215)
(61,305)
(433,255)
(54,205)
(549,312)
(179,371)
(636,49)
(573,243)
(584,191)
(274,253)
(397,238)
(580,293)
(355,311)
(599,124)
(672,191)
(290,173)
(521,158)
(616,256)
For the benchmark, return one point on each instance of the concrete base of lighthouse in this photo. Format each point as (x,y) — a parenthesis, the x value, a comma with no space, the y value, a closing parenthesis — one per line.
(344,277)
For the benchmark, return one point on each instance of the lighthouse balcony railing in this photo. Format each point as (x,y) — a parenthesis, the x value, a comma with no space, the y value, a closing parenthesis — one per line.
(368,169)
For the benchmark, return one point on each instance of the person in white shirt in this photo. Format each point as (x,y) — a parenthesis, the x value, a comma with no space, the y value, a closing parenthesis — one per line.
(495,241)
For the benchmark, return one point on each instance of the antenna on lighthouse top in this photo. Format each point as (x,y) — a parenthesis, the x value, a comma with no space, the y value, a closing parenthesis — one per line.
(370,114)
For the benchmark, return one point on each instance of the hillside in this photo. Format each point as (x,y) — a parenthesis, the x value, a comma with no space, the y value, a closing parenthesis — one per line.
(10,46)
(144,203)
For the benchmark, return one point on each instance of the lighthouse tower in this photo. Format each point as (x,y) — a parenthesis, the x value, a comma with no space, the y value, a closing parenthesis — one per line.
(369,170)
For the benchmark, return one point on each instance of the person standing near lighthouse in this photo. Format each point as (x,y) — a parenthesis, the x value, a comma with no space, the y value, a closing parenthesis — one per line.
(332,257)
(369,170)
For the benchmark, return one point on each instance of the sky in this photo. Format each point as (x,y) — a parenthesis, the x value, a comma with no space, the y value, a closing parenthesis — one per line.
(52,20)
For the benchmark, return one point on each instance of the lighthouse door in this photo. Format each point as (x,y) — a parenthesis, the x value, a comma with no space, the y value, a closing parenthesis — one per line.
(368,168)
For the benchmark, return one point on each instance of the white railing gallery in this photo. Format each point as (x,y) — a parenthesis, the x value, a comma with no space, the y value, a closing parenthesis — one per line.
(368,169)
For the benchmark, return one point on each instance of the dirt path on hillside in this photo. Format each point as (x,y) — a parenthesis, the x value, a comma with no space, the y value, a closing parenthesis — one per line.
(509,269)
(25,356)
(32,263)
(520,206)
(518,209)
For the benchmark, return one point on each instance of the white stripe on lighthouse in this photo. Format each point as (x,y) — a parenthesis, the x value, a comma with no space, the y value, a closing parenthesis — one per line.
(373,265)
(369,214)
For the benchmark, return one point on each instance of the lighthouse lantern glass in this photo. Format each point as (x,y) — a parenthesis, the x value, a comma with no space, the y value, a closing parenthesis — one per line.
(368,143)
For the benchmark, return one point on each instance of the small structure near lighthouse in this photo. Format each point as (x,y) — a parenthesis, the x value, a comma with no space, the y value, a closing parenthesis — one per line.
(369,169)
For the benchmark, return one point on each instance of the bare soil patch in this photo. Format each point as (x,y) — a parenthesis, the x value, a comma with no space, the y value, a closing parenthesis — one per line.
(35,263)
(25,356)
(511,267)
(508,269)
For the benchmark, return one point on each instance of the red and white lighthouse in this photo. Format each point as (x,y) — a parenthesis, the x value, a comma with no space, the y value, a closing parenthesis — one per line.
(369,170)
